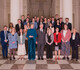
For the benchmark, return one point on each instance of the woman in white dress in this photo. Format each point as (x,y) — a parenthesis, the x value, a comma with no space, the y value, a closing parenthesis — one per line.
(21,44)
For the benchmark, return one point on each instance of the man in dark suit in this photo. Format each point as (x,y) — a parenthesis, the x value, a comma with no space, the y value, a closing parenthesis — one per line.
(4,42)
(23,20)
(19,25)
(53,22)
(68,23)
(40,41)
(61,22)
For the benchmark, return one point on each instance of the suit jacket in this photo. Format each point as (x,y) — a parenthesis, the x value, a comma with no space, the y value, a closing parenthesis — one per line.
(68,35)
(23,21)
(38,24)
(17,27)
(69,26)
(2,35)
(41,36)
(53,23)
(62,25)
(59,38)
(76,39)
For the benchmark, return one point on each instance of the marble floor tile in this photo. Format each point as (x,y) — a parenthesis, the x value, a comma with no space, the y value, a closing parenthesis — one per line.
(73,62)
(41,66)
(42,69)
(79,60)
(20,62)
(52,62)
(0,57)
(2,61)
(10,62)
(75,66)
(65,66)
(17,66)
(6,66)
(63,62)
(53,66)
(31,62)
(67,69)
(29,66)
(41,62)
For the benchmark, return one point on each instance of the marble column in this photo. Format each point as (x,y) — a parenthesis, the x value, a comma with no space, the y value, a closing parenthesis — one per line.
(57,7)
(25,7)
(66,9)
(3,14)
(61,8)
(76,12)
(16,10)
(21,7)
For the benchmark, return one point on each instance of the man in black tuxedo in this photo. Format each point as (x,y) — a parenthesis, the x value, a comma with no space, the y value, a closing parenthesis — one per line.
(19,25)
(68,23)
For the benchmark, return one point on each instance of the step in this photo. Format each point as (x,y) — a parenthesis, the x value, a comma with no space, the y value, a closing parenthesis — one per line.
(26,56)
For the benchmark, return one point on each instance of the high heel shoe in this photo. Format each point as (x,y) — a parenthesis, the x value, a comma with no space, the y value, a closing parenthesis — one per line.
(10,58)
(13,57)
(55,58)
(58,58)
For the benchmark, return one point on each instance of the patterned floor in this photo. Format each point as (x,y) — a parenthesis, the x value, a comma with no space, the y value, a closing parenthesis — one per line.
(39,65)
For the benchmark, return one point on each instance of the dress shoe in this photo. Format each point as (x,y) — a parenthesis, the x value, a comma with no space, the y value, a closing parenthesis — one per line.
(55,58)
(3,57)
(67,58)
(58,58)
(13,57)
(63,58)
(6,57)
(76,59)
(38,58)
(42,58)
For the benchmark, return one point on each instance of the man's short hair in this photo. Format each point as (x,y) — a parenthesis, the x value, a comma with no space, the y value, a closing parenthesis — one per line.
(19,19)
(67,18)
(4,26)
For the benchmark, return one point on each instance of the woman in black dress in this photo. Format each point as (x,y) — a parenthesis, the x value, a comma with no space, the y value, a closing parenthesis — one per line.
(49,41)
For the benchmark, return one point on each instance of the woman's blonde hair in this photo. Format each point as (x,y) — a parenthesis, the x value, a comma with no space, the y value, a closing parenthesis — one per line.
(31,25)
(12,30)
(49,29)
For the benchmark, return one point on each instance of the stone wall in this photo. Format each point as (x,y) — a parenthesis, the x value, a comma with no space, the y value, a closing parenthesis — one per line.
(50,8)
(41,7)
(57,7)
(76,14)
(4,14)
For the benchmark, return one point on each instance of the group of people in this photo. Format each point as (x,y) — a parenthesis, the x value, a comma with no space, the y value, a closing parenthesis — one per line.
(42,33)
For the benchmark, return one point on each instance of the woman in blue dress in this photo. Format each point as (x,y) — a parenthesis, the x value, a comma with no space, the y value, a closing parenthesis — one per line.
(31,35)
(12,37)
